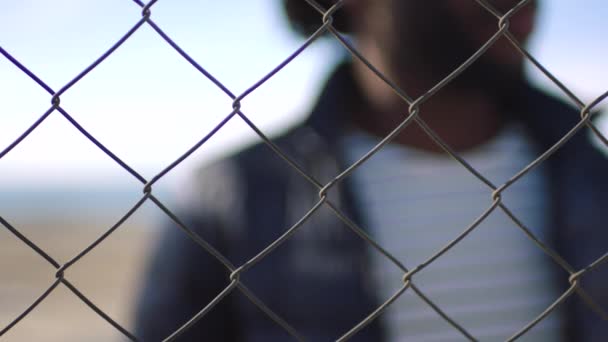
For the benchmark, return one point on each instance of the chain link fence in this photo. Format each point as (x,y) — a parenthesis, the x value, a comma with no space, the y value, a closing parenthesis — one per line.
(238,113)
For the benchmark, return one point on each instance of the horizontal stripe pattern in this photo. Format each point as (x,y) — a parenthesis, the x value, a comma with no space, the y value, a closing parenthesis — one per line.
(495,280)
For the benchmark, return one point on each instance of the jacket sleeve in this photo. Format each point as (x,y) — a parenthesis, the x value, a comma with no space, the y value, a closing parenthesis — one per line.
(182,277)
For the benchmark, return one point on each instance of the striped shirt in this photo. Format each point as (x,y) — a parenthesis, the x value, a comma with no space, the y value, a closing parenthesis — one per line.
(495,280)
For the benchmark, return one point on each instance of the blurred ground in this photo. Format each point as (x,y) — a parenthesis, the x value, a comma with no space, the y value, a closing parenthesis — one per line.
(108,276)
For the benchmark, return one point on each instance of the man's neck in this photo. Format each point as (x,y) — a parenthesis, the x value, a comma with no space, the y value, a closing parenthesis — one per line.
(463,118)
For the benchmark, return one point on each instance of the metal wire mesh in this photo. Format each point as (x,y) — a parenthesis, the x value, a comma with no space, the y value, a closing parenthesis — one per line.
(325,18)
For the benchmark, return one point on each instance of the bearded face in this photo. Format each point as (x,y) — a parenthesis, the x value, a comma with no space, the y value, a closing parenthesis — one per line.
(435,37)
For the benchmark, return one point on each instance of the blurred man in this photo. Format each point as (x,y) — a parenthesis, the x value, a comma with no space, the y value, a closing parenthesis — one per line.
(411,198)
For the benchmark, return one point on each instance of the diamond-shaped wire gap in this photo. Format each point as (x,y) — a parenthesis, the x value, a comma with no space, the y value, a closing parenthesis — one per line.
(355,228)
(237,103)
(56,99)
(234,276)
(59,51)
(74,321)
(146,107)
(245,135)
(213,192)
(359,145)
(496,286)
(475,189)
(240,233)
(56,177)
(375,145)
(497,191)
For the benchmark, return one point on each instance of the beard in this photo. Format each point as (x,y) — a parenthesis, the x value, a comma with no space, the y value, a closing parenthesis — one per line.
(430,42)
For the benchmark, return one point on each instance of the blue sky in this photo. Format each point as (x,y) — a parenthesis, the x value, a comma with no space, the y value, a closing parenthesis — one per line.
(148,105)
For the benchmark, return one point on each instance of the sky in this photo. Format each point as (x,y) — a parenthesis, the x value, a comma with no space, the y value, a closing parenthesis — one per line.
(148,105)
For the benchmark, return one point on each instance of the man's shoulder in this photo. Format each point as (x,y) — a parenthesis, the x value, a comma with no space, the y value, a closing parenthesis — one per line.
(261,163)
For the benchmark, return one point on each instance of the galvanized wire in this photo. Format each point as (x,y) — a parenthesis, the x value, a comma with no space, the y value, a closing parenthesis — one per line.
(411,106)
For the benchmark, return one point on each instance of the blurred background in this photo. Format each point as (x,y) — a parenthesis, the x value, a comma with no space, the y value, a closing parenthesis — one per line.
(148,106)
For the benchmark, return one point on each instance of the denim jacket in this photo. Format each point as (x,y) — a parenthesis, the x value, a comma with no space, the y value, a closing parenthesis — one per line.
(319,280)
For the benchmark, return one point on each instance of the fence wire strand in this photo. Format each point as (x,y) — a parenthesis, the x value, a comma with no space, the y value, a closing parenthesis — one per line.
(412,109)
